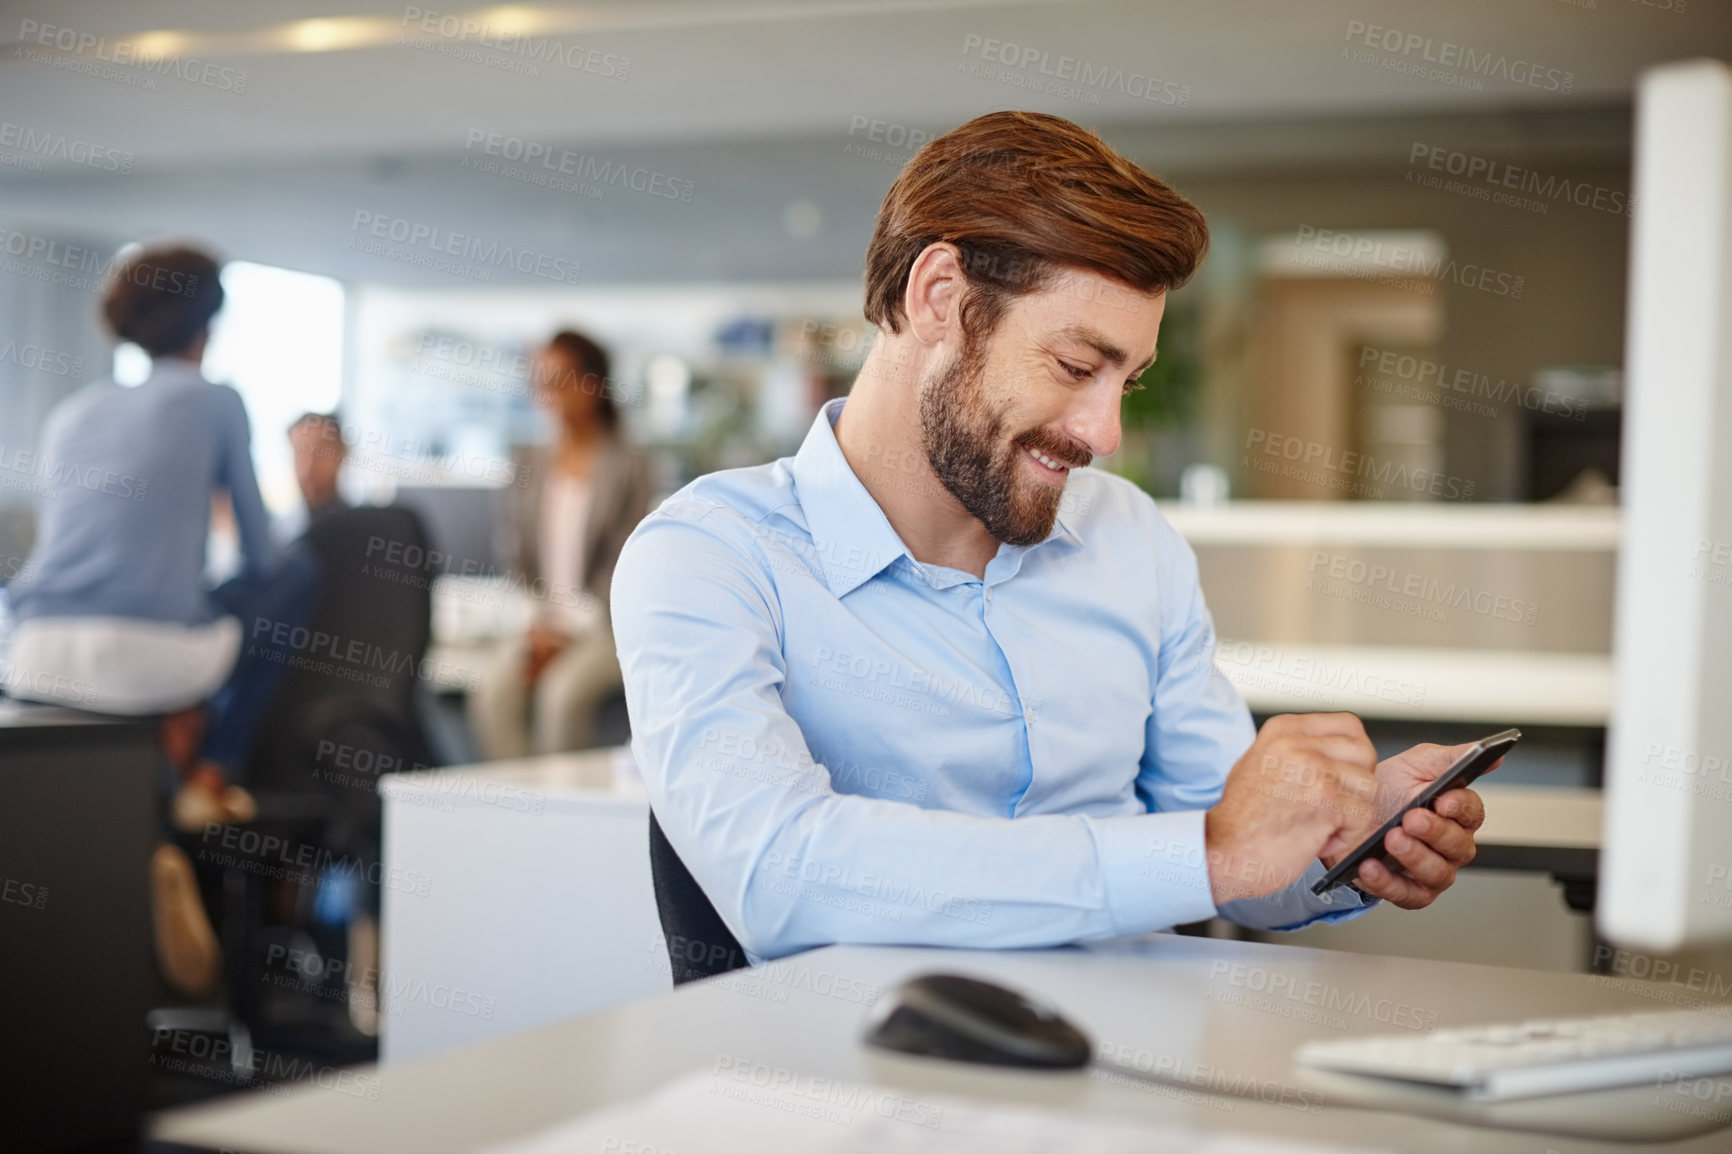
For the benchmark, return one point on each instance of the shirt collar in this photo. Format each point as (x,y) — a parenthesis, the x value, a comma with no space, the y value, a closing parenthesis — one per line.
(853,539)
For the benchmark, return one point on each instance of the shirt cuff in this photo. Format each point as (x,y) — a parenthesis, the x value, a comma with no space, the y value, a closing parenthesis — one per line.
(1343,903)
(1154,870)
(1296,907)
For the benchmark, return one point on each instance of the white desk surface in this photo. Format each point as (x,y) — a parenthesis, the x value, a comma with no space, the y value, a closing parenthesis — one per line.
(590,775)
(1191,1000)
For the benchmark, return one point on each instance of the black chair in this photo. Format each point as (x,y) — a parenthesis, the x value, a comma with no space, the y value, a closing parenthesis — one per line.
(339,719)
(375,601)
(350,710)
(700,945)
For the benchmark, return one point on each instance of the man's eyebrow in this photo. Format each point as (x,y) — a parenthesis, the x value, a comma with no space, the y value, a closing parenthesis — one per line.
(1110,353)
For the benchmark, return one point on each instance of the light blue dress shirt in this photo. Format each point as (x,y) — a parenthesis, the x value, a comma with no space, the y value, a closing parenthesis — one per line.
(847,745)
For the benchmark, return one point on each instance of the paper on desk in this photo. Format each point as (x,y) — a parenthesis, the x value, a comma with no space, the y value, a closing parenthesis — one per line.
(715,1113)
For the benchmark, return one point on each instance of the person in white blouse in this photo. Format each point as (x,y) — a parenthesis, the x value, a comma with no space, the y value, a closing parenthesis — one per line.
(576,502)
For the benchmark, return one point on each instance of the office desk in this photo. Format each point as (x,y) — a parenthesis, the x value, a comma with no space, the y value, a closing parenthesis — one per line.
(537,903)
(518,894)
(78,822)
(1193,1000)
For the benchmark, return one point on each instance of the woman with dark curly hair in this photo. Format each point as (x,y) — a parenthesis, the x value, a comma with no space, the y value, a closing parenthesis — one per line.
(113,613)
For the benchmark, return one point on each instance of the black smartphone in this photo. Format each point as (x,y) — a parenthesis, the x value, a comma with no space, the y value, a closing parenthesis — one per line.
(1481,756)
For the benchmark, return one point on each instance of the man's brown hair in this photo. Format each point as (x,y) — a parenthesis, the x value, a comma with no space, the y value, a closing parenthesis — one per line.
(1023,195)
(161,299)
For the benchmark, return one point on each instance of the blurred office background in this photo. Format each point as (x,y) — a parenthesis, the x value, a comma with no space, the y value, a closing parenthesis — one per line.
(1386,413)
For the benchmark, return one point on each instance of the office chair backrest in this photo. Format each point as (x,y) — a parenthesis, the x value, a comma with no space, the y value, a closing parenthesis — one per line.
(700,945)
(376,597)
(355,686)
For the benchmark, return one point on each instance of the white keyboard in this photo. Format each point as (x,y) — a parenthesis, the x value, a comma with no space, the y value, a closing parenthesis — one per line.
(1551,1056)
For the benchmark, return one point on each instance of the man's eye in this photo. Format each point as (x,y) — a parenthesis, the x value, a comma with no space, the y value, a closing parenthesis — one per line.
(1076,373)
(1132,386)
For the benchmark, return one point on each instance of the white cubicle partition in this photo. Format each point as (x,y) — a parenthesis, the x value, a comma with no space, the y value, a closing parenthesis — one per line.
(515,894)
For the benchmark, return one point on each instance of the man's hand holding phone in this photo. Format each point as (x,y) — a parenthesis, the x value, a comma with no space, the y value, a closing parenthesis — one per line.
(1429,844)
(1302,789)
(1310,787)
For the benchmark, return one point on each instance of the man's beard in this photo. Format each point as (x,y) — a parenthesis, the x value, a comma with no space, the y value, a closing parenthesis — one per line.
(964,440)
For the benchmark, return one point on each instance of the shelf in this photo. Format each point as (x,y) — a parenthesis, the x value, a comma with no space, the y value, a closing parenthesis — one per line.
(1587,528)
(1490,685)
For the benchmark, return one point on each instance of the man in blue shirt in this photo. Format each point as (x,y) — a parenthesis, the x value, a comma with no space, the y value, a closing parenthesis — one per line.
(934,681)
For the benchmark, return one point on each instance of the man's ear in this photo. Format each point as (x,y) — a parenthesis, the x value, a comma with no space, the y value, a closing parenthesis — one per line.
(932,302)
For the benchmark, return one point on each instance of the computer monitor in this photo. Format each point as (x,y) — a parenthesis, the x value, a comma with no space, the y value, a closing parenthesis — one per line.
(461,521)
(1666,864)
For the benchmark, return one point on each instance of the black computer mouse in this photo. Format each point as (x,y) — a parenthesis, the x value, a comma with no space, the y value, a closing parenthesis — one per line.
(968,1020)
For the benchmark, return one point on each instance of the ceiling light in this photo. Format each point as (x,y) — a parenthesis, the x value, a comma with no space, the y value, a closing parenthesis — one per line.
(515,20)
(157,45)
(329,34)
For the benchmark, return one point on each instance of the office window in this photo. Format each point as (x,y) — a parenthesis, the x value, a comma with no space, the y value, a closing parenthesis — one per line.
(279,342)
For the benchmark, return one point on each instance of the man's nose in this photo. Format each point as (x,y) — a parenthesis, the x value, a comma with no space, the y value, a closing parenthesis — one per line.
(1095,422)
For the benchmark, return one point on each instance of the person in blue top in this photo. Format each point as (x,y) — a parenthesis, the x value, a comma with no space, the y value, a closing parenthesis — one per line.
(113,612)
(933,680)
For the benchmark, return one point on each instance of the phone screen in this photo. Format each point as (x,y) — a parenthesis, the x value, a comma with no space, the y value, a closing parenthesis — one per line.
(1481,756)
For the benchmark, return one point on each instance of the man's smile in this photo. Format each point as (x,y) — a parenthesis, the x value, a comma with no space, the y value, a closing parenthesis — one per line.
(1048,467)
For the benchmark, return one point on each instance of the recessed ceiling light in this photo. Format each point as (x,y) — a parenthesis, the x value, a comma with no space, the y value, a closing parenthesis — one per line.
(329,34)
(515,20)
(157,45)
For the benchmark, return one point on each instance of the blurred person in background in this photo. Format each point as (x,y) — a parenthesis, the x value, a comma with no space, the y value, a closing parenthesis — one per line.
(113,613)
(320,450)
(576,502)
